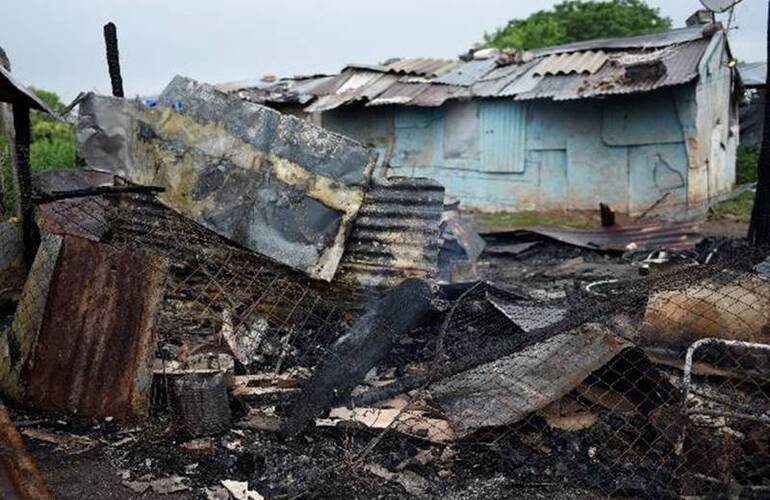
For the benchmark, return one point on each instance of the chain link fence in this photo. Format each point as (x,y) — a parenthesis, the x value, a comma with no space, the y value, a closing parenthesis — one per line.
(300,388)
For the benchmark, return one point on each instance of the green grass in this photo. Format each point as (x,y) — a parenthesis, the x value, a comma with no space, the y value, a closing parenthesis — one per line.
(45,154)
(746,166)
(739,208)
(518,220)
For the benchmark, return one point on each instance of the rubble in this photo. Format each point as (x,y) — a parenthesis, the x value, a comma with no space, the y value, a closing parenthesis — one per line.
(235,281)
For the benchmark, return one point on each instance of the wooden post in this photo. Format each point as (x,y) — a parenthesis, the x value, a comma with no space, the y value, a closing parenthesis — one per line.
(113,58)
(759,230)
(22,176)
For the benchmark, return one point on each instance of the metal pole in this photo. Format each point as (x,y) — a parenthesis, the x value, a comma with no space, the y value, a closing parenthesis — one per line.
(113,58)
(759,230)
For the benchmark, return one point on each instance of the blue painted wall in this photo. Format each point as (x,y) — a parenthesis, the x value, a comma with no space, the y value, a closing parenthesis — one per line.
(499,154)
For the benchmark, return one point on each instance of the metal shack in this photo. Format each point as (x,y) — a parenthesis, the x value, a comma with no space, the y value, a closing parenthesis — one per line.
(639,122)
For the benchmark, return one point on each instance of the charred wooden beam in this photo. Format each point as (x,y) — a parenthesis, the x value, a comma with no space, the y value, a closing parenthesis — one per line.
(94,191)
(113,58)
(364,347)
(22,176)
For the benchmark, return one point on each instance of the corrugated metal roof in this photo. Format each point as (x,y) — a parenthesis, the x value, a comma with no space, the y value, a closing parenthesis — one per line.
(497,80)
(422,66)
(681,64)
(672,37)
(419,66)
(469,73)
(399,93)
(575,62)
(436,95)
(574,71)
(395,235)
(753,74)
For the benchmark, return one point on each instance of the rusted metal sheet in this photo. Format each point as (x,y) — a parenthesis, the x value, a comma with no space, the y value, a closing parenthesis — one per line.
(637,236)
(587,62)
(681,63)
(20,478)
(396,234)
(507,390)
(93,347)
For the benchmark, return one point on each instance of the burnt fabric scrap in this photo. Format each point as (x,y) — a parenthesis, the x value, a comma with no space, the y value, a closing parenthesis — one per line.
(272,183)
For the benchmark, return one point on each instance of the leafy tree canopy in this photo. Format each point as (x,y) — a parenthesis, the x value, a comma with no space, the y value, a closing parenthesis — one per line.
(577,20)
(50,98)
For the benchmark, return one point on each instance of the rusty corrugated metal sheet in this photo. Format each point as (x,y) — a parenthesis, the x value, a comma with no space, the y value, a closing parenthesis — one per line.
(20,478)
(575,62)
(396,233)
(574,71)
(681,64)
(94,347)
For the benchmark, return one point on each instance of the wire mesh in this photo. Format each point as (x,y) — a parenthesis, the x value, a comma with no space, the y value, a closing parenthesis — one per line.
(494,390)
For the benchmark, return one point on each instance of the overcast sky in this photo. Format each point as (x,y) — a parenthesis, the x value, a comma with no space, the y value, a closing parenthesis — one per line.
(58,45)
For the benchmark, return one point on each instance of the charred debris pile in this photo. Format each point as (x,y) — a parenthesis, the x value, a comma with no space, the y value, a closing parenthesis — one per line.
(232,303)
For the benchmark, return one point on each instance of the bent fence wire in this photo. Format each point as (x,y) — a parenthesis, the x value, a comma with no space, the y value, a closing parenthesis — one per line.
(597,392)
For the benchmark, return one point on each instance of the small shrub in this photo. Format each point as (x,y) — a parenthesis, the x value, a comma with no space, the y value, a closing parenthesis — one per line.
(746,166)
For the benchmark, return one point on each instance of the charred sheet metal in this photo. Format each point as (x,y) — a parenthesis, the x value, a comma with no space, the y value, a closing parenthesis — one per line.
(87,310)
(273,183)
(638,236)
(20,478)
(396,234)
(587,62)
(506,390)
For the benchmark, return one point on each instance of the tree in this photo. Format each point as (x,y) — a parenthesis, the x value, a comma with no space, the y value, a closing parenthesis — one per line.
(576,20)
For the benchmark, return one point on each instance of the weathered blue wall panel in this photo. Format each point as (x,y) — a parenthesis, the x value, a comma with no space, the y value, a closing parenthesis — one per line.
(552,167)
(503,135)
(596,173)
(557,155)
(653,172)
(652,119)
(550,124)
